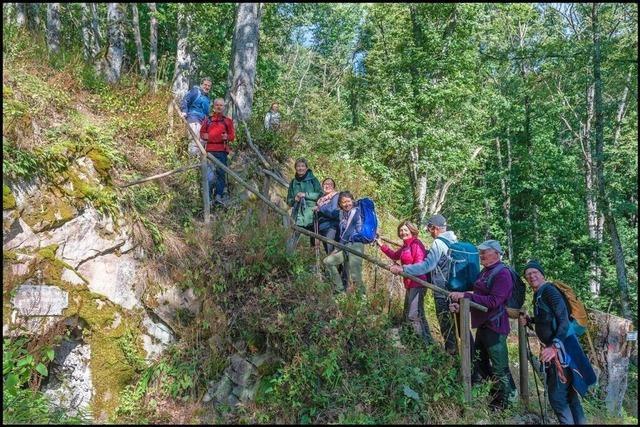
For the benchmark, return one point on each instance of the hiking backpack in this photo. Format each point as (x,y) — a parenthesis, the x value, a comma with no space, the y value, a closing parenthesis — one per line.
(366,234)
(464,265)
(578,319)
(516,300)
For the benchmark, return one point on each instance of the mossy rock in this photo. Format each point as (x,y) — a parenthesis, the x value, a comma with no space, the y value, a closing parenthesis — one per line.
(47,212)
(8,200)
(100,161)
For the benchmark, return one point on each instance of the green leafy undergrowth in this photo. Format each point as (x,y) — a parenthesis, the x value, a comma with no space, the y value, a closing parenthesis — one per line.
(24,365)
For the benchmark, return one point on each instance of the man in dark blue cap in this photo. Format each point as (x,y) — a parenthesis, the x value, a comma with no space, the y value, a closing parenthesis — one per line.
(565,381)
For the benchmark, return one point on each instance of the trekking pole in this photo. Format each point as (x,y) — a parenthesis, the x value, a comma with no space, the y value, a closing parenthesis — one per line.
(455,325)
(316,227)
(535,377)
(543,372)
(293,240)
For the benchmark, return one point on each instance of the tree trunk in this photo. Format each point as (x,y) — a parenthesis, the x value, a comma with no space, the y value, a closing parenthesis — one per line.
(505,186)
(90,46)
(442,188)
(115,52)
(182,70)
(153,45)
(21,15)
(244,58)
(95,25)
(136,35)
(419,184)
(612,351)
(618,253)
(53,27)
(34,16)
(594,217)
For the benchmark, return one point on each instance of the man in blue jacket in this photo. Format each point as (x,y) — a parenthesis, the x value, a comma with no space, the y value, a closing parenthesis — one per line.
(195,107)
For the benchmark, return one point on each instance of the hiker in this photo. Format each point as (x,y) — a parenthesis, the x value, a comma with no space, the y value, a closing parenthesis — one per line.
(272,118)
(350,223)
(304,191)
(551,320)
(217,130)
(437,264)
(491,356)
(195,107)
(328,213)
(411,252)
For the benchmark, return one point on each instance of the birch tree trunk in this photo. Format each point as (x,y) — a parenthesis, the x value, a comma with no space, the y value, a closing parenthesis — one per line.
(115,52)
(136,35)
(53,27)
(244,58)
(618,253)
(87,33)
(153,45)
(505,186)
(182,68)
(419,184)
(594,217)
(21,15)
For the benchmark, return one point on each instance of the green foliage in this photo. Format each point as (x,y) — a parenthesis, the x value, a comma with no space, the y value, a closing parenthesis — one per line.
(17,162)
(131,350)
(20,403)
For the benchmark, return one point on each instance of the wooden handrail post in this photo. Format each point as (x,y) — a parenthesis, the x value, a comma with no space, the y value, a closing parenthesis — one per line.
(524,365)
(465,351)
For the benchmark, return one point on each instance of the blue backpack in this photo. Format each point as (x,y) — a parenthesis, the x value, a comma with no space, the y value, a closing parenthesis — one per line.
(464,265)
(366,234)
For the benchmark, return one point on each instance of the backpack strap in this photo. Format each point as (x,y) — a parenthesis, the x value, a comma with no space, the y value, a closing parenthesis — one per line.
(497,318)
(445,241)
(438,268)
(494,273)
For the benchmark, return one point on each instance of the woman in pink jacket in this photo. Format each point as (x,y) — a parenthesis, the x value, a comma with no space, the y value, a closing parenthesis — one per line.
(411,252)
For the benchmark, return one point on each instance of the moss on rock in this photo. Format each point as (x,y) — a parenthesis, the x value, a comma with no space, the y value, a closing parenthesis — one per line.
(100,161)
(8,200)
(47,212)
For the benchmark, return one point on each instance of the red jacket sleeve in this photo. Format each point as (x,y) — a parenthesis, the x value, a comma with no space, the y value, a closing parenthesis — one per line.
(390,252)
(232,132)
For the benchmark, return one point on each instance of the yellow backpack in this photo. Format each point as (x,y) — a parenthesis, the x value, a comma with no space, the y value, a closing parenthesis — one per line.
(577,310)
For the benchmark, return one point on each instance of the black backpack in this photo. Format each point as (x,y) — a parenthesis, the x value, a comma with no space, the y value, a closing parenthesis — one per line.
(516,300)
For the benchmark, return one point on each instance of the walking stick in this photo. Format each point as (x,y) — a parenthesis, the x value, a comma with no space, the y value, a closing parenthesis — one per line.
(316,227)
(535,378)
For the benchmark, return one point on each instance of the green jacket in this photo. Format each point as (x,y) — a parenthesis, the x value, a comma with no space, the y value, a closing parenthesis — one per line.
(311,187)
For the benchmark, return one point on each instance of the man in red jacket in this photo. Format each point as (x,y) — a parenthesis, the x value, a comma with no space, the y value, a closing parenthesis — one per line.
(217,130)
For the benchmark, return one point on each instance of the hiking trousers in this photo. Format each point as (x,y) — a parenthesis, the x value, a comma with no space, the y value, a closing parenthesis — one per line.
(216,176)
(446,322)
(354,266)
(563,398)
(491,361)
(414,313)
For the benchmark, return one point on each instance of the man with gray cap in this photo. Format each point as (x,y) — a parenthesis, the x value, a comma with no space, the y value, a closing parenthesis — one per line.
(438,264)
(492,289)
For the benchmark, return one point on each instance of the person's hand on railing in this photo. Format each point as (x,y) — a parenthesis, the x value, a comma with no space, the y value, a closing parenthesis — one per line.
(454,307)
(455,296)
(396,269)
(523,319)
